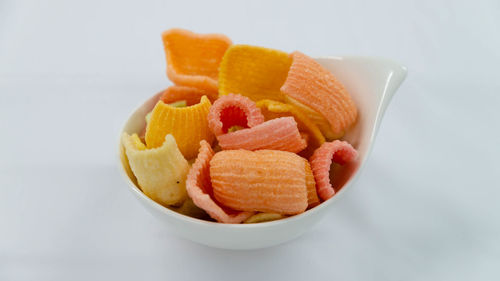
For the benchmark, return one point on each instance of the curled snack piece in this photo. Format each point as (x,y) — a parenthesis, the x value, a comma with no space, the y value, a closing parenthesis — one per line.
(312,194)
(233,110)
(160,172)
(199,188)
(316,118)
(193,59)
(188,125)
(278,134)
(255,72)
(265,180)
(337,151)
(191,95)
(263,217)
(313,85)
(274,109)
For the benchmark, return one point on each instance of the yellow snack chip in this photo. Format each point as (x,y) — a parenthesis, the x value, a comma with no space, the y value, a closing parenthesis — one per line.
(274,109)
(263,217)
(188,208)
(188,125)
(161,172)
(316,118)
(255,72)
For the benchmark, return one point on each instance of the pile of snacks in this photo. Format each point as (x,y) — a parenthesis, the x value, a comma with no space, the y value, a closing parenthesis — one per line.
(245,134)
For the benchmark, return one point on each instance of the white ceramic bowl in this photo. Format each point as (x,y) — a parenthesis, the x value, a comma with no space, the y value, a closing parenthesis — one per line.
(371,81)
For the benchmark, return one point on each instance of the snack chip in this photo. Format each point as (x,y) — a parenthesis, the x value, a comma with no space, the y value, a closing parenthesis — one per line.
(255,72)
(313,85)
(278,134)
(337,151)
(316,118)
(263,217)
(312,195)
(265,180)
(191,95)
(274,109)
(199,188)
(160,172)
(233,110)
(188,125)
(193,59)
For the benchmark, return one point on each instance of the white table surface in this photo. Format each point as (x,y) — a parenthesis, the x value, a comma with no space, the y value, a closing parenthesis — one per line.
(425,208)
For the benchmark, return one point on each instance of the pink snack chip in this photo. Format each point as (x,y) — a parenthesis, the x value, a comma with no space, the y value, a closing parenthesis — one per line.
(199,188)
(233,110)
(277,134)
(337,151)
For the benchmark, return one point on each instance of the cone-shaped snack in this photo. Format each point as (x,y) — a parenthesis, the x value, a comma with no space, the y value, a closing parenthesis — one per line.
(274,109)
(160,172)
(313,85)
(278,134)
(233,110)
(337,151)
(188,125)
(255,72)
(199,188)
(266,181)
(193,59)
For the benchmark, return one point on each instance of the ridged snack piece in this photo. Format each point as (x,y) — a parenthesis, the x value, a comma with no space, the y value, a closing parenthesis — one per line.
(255,72)
(315,117)
(233,110)
(274,109)
(264,217)
(312,194)
(199,188)
(278,134)
(268,181)
(311,84)
(161,172)
(191,95)
(188,125)
(193,59)
(337,151)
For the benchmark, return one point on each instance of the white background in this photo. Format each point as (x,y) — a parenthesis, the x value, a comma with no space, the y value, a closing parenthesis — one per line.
(425,208)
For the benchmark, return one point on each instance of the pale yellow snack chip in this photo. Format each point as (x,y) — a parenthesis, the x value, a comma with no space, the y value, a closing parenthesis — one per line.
(161,172)
(263,217)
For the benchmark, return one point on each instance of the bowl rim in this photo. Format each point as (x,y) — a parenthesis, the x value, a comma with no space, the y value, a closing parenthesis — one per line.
(311,212)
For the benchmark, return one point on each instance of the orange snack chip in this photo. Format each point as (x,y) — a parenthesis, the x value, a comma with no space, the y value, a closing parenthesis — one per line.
(316,118)
(191,95)
(199,188)
(278,134)
(188,125)
(274,109)
(337,151)
(265,180)
(312,195)
(193,59)
(255,72)
(233,110)
(313,85)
